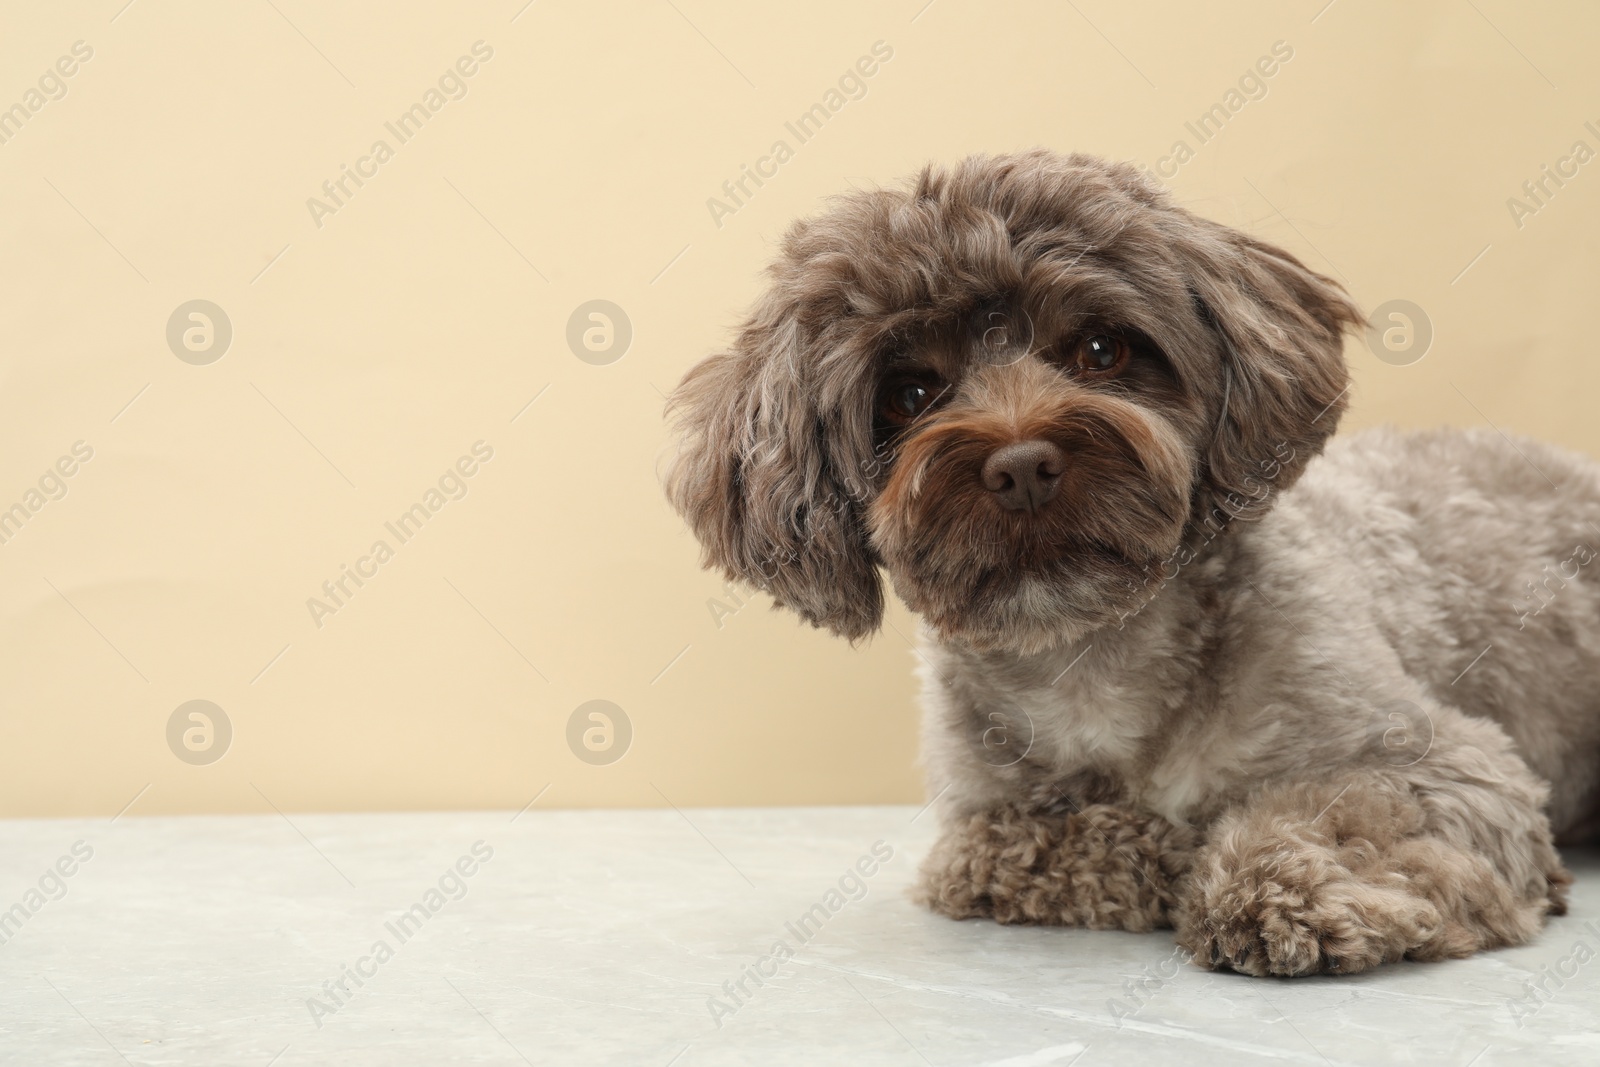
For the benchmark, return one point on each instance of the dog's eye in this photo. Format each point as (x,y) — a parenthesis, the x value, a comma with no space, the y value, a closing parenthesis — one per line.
(906,398)
(1100,355)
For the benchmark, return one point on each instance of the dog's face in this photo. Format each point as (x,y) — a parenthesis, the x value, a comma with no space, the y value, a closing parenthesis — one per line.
(1019,387)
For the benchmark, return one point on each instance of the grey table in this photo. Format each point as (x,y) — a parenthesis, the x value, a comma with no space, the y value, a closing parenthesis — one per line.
(658,937)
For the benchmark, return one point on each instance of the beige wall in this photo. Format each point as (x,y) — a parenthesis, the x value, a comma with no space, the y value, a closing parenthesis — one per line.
(375,344)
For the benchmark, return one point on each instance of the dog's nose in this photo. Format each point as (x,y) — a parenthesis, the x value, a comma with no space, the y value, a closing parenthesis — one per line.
(1025,475)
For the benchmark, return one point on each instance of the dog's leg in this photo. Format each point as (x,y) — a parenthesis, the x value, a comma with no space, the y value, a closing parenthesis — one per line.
(1101,867)
(1429,861)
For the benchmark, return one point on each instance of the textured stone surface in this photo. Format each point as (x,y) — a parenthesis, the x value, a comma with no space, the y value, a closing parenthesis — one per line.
(600,937)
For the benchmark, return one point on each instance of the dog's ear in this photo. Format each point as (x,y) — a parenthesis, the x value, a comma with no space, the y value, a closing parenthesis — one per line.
(1282,382)
(764,485)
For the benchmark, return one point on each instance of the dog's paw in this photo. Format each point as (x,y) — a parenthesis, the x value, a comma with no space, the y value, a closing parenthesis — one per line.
(1292,914)
(1101,868)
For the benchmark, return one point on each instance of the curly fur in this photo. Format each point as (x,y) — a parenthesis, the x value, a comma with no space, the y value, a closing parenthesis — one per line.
(1309,878)
(1102,867)
(1317,711)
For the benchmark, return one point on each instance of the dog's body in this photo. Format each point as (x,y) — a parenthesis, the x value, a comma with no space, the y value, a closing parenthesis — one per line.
(1315,726)
(1406,587)
(1405,580)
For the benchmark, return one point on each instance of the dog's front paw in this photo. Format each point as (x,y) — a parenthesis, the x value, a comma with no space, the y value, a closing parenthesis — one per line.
(1286,917)
(1102,867)
(1276,896)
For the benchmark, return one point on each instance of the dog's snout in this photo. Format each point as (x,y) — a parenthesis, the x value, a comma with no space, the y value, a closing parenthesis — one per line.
(1025,475)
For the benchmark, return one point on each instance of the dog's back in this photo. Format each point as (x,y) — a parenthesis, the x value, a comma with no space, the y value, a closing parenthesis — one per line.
(1482,554)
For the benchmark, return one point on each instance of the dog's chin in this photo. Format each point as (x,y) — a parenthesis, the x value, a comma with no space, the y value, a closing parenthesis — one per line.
(1027,608)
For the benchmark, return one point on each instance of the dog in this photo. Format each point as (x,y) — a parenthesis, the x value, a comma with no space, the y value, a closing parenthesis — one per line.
(1317,711)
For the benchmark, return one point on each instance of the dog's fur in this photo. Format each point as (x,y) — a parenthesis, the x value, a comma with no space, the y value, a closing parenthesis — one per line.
(1315,723)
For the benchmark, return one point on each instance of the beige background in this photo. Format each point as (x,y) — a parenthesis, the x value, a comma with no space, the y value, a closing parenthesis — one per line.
(372,351)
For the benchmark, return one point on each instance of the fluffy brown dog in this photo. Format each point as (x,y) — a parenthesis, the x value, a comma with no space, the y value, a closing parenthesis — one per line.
(1316,729)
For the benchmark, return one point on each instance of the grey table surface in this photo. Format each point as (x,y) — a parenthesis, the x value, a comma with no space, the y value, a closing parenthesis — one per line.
(667,937)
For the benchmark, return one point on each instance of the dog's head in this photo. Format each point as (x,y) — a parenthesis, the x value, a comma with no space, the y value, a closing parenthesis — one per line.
(1021,387)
